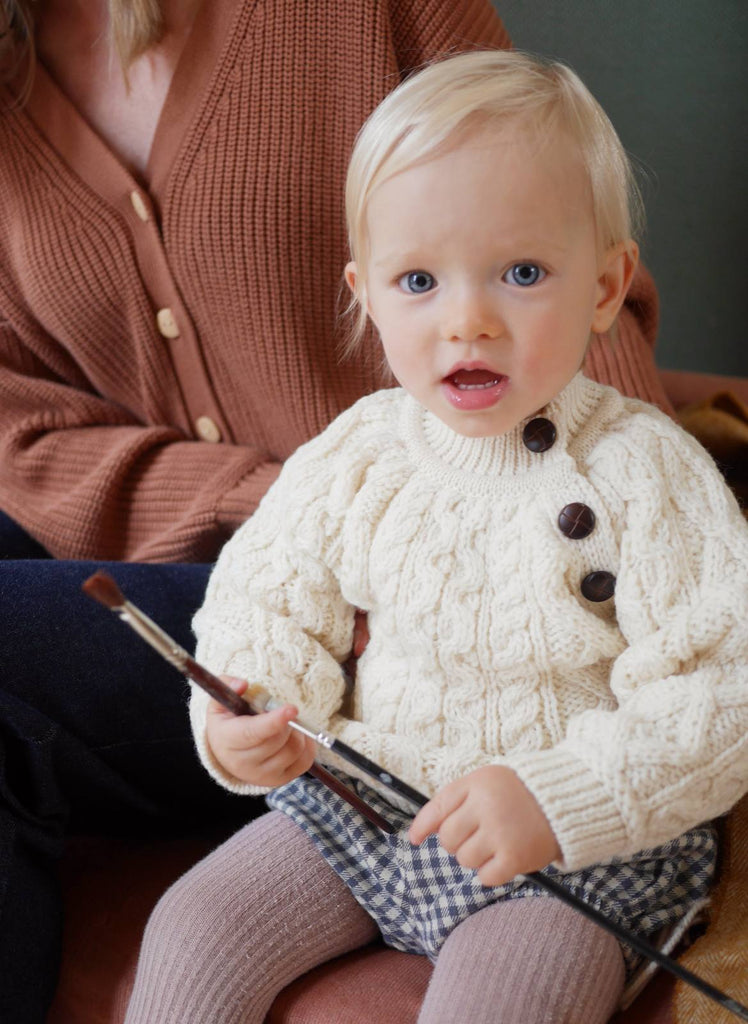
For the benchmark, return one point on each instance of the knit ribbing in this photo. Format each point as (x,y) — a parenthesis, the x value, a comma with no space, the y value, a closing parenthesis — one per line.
(530,961)
(489,463)
(228,936)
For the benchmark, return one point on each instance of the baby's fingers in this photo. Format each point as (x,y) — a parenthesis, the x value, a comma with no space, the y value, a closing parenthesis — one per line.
(261,734)
(259,749)
(238,686)
(264,734)
(430,818)
(293,759)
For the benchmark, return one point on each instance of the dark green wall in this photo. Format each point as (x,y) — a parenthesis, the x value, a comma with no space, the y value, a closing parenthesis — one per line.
(673,76)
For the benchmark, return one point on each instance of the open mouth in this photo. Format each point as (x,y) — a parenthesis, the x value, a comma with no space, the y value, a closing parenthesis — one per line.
(474,389)
(474,380)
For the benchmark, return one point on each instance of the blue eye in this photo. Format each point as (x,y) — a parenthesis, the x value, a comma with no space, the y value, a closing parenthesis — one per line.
(416,282)
(524,274)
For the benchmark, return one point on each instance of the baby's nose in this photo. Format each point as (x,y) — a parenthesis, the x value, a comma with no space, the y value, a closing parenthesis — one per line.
(471,316)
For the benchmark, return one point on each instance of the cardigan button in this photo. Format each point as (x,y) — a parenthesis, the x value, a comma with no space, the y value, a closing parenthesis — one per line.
(576,521)
(167,325)
(599,586)
(539,434)
(138,204)
(207,429)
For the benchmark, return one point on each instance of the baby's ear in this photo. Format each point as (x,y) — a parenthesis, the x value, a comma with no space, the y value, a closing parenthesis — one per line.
(358,286)
(351,275)
(614,277)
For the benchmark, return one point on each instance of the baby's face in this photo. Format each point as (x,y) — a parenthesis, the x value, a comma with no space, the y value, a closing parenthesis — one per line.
(484,278)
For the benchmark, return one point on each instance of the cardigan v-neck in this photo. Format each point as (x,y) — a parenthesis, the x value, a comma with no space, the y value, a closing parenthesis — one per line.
(201,66)
(89,156)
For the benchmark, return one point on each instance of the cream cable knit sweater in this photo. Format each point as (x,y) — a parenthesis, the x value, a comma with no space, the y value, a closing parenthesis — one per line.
(626,718)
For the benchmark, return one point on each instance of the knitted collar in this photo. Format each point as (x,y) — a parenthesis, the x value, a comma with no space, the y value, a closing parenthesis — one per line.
(479,461)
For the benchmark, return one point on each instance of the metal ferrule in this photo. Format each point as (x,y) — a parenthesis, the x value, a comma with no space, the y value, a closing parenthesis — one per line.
(153,635)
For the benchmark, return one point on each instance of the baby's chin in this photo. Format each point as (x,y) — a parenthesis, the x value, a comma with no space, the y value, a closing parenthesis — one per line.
(476,425)
(478,431)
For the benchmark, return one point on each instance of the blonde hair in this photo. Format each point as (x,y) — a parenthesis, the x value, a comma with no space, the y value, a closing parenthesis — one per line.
(134,26)
(424,114)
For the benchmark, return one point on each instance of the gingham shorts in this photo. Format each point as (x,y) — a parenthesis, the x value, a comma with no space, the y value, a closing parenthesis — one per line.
(418,894)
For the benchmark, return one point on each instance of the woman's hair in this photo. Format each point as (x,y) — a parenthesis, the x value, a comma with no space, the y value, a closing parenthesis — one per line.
(424,115)
(134,26)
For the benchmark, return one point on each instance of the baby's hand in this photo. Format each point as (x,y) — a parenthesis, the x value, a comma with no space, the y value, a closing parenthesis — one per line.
(490,821)
(261,750)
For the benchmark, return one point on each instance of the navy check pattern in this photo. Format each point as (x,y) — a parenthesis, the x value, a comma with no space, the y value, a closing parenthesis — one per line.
(418,894)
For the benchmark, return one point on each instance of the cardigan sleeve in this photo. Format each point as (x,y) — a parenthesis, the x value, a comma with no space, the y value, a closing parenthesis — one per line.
(89,480)
(674,753)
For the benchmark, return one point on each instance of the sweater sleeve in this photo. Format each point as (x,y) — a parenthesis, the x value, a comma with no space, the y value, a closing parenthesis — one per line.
(675,751)
(273,612)
(88,480)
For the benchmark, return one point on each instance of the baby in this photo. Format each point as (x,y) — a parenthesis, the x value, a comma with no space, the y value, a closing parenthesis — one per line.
(556,583)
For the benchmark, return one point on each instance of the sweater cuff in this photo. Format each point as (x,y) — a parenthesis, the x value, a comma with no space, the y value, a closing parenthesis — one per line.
(238,504)
(586,822)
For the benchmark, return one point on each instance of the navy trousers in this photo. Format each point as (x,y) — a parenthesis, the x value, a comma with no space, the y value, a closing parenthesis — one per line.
(94,740)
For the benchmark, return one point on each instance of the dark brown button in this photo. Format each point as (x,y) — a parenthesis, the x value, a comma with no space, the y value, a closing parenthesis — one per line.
(576,521)
(599,586)
(539,434)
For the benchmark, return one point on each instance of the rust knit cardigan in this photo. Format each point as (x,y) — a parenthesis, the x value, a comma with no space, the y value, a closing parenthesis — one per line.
(166,342)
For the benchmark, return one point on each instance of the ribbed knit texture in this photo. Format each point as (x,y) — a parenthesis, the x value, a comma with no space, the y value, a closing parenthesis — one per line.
(627,719)
(241,925)
(264,908)
(532,961)
(244,242)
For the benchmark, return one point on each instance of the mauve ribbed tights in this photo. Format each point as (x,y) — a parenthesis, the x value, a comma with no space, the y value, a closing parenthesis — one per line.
(265,907)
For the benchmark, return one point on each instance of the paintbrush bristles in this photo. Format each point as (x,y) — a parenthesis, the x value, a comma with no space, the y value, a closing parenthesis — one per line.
(101,587)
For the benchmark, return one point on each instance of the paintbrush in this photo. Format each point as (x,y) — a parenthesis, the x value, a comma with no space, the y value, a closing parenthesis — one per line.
(103,588)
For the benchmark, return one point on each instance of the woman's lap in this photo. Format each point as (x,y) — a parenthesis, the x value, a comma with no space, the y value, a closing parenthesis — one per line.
(94,738)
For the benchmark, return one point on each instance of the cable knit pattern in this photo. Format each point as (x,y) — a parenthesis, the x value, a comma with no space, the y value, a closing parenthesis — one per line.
(626,718)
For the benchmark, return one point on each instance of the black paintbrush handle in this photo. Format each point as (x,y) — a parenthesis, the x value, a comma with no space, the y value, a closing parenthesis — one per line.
(376,772)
